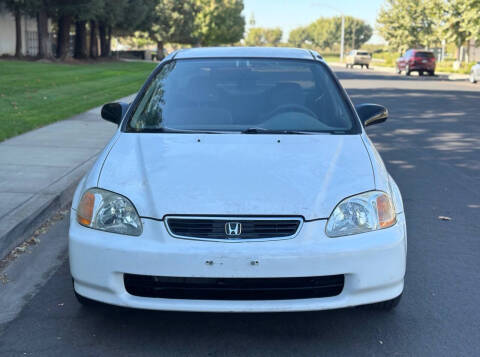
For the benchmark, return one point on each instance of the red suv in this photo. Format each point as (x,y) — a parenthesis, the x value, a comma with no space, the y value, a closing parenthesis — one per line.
(416,60)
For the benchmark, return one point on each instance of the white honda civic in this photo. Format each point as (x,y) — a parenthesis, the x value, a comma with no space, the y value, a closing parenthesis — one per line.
(239,180)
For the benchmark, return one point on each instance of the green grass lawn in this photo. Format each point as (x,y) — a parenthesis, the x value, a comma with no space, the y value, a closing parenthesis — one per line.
(36,94)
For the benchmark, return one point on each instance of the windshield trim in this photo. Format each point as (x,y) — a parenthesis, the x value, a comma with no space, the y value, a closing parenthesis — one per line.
(356,124)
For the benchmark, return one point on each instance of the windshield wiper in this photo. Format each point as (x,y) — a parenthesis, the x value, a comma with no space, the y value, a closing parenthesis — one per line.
(180,131)
(272,131)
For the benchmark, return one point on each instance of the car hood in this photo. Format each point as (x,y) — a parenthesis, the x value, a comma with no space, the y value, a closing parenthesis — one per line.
(237,174)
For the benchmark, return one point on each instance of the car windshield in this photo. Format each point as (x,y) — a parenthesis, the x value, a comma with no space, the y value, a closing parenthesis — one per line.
(424,54)
(243,95)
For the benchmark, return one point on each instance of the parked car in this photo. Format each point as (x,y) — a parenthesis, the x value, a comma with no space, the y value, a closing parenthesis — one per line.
(475,73)
(358,58)
(420,61)
(239,180)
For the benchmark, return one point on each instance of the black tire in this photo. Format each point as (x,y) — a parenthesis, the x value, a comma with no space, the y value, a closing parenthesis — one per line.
(398,70)
(420,73)
(385,305)
(367,66)
(407,70)
(431,73)
(362,66)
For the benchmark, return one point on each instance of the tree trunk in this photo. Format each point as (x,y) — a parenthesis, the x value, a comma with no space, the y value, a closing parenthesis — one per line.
(160,54)
(109,40)
(93,39)
(102,31)
(18,33)
(44,44)
(63,36)
(80,50)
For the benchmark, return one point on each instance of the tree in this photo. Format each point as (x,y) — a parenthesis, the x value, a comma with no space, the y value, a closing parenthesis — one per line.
(137,18)
(44,44)
(298,36)
(219,22)
(173,21)
(460,21)
(258,36)
(66,10)
(255,37)
(273,36)
(326,32)
(321,33)
(85,10)
(357,32)
(409,23)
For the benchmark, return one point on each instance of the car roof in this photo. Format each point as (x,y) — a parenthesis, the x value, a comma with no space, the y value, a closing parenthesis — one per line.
(249,52)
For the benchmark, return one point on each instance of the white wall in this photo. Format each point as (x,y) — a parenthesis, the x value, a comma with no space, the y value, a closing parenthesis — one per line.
(7,33)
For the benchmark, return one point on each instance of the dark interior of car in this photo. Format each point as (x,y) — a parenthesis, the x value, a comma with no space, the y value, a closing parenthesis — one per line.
(230,97)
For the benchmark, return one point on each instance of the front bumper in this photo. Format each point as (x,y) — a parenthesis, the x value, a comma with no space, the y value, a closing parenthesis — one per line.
(373,265)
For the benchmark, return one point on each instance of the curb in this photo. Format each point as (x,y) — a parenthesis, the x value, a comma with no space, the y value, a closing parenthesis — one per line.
(21,223)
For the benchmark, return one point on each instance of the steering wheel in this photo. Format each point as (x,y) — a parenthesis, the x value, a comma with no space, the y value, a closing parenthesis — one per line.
(290,108)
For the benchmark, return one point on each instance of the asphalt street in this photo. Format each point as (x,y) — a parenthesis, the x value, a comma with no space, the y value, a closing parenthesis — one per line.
(431,145)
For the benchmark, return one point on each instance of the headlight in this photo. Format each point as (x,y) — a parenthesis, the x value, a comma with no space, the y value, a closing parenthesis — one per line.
(361,213)
(108,211)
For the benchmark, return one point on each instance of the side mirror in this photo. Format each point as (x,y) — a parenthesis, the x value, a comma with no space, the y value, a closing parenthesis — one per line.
(114,112)
(371,113)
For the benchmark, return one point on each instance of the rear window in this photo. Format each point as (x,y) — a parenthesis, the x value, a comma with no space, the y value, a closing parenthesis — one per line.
(424,54)
(362,53)
(239,94)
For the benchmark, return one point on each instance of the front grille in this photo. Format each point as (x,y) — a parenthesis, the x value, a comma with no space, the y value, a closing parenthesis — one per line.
(233,288)
(215,228)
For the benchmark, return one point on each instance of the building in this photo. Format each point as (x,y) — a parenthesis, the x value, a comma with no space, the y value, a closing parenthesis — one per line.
(8,35)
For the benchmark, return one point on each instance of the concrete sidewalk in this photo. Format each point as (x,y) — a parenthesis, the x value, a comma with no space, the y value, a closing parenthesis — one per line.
(40,169)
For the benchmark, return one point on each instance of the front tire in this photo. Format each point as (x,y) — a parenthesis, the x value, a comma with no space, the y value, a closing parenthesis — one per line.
(407,70)
(367,66)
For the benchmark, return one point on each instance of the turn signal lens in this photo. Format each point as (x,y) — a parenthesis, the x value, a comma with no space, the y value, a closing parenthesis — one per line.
(385,211)
(85,209)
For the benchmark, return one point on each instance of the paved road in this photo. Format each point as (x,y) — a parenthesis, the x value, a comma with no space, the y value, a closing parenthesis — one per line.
(431,144)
